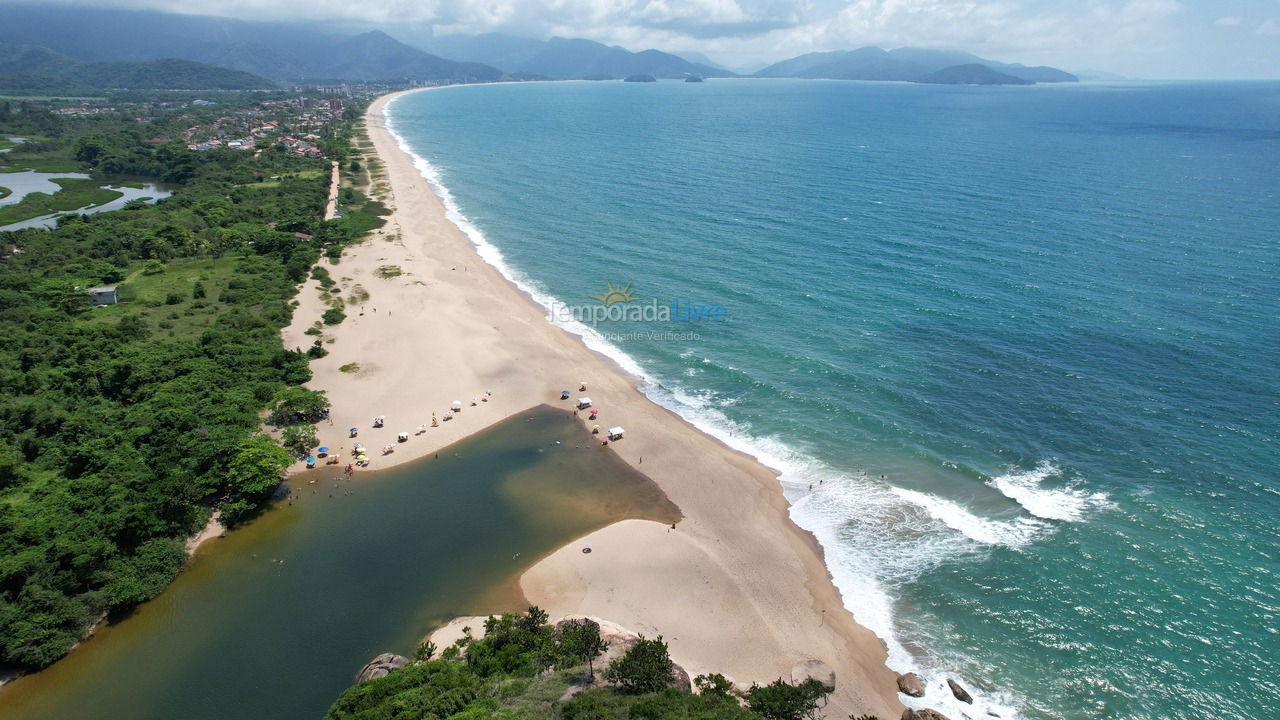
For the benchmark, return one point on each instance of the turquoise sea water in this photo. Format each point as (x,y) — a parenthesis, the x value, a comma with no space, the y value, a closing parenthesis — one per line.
(1024,343)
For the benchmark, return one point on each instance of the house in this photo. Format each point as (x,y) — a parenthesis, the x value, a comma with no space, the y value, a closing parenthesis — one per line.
(103,295)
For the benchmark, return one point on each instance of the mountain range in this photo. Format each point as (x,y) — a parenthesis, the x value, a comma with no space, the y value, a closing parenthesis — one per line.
(565,58)
(33,69)
(911,64)
(283,52)
(291,52)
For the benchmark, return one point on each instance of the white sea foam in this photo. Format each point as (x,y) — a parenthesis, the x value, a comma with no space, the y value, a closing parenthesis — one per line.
(1069,504)
(874,537)
(1011,533)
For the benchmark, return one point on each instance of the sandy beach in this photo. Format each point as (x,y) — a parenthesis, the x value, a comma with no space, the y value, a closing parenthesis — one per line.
(735,588)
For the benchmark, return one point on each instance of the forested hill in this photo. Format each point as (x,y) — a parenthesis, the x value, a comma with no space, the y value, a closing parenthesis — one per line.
(38,70)
(123,427)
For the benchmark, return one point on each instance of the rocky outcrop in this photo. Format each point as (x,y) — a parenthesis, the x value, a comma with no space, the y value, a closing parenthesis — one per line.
(926,714)
(381,666)
(911,684)
(619,640)
(813,669)
(961,694)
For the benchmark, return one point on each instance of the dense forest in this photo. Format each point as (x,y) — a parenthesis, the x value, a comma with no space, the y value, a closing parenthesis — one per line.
(30,69)
(123,427)
(523,668)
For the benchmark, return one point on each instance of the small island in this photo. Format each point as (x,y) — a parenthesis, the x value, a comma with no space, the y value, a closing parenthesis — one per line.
(693,78)
(640,78)
(972,74)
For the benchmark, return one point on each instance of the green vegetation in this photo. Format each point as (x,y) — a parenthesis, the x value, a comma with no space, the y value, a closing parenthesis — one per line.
(75,194)
(5,192)
(34,69)
(525,669)
(350,368)
(122,427)
(389,271)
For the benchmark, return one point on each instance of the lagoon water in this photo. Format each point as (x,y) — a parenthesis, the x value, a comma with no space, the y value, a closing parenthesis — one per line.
(1023,343)
(275,620)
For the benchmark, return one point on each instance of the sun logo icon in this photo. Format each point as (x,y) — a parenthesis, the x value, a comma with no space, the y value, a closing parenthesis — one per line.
(616,295)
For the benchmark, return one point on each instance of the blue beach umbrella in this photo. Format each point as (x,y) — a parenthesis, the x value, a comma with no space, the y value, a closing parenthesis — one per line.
(323,449)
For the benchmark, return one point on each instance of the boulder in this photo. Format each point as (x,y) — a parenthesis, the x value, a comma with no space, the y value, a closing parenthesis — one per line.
(813,669)
(380,667)
(961,694)
(926,714)
(911,684)
(680,679)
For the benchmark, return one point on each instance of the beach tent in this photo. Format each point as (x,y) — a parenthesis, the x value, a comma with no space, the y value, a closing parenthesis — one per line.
(322,451)
(457,405)
(403,436)
(615,433)
(584,402)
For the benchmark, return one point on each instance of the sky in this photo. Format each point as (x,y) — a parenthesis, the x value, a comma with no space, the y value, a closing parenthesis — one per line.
(1192,39)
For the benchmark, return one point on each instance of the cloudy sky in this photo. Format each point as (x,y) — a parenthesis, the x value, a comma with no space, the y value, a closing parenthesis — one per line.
(1138,38)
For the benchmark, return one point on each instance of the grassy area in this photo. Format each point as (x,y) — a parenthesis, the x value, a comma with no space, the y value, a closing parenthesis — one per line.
(350,368)
(5,192)
(388,271)
(275,182)
(75,194)
(165,299)
(52,165)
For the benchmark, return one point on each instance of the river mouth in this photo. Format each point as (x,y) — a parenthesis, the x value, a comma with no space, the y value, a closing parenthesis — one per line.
(275,619)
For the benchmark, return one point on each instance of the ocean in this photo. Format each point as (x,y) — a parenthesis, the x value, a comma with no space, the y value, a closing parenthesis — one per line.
(1015,350)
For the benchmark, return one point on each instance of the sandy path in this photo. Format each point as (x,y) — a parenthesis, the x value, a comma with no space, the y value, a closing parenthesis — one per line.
(737,588)
(331,208)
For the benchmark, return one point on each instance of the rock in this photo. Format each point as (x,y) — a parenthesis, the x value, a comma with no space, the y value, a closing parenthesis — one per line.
(815,669)
(926,714)
(680,679)
(961,694)
(380,667)
(911,684)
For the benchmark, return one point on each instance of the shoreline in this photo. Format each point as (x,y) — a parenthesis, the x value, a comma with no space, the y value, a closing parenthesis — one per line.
(736,588)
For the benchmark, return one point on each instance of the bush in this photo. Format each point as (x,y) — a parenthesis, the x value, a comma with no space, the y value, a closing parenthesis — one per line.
(172,298)
(333,316)
(646,667)
(317,350)
(780,700)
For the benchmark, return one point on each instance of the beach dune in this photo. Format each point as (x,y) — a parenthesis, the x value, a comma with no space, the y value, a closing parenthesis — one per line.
(735,587)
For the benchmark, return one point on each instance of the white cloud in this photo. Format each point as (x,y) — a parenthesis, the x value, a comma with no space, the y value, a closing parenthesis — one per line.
(1269,28)
(1228,21)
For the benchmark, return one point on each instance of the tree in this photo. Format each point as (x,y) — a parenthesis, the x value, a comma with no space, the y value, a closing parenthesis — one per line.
(300,438)
(197,291)
(646,667)
(298,404)
(714,685)
(257,466)
(780,700)
(579,641)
